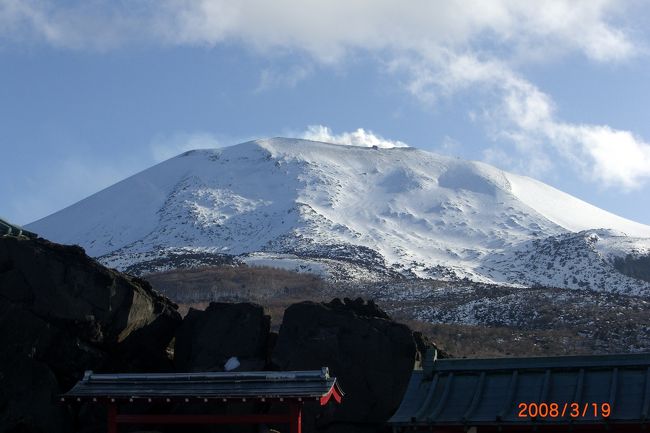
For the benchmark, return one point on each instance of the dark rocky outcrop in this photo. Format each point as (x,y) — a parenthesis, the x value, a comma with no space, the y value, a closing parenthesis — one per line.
(61,313)
(207,339)
(371,356)
(635,267)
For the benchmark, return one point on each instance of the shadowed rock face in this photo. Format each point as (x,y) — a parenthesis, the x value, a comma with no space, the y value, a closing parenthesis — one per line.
(207,339)
(371,356)
(62,313)
(635,267)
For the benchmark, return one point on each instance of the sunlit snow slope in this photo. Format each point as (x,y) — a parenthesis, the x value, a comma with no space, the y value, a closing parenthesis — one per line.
(377,211)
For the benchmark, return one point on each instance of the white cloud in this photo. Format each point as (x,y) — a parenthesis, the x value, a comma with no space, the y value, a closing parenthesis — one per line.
(165,147)
(612,157)
(615,157)
(522,114)
(328,30)
(82,25)
(360,137)
(445,47)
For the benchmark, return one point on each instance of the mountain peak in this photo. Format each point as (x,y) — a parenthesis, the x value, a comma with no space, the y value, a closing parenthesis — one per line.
(402,210)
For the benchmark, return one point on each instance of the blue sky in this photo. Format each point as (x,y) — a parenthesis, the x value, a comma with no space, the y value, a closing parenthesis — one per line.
(94,91)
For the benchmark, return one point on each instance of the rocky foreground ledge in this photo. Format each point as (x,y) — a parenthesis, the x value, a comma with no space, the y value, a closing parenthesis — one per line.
(62,313)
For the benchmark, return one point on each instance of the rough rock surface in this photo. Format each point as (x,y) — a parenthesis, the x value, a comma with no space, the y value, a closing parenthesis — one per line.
(207,339)
(61,313)
(635,267)
(371,356)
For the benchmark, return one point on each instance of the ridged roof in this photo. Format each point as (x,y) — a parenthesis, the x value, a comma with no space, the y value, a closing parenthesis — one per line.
(306,385)
(474,392)
(14,230)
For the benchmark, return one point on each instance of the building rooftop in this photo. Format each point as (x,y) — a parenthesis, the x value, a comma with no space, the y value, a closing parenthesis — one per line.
(11,229)
(489,392)
(289,385)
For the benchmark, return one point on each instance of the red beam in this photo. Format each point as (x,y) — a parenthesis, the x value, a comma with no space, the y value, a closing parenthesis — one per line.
(204,419)
(112,419)
(295,424)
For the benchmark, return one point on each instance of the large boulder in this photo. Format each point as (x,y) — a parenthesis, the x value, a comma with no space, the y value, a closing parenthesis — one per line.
(208,339)
(371,356)
(28,397)
(61,312)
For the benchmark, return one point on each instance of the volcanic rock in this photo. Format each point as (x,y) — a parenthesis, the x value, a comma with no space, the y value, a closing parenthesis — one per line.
(61,313)
(208,339)
(371,356)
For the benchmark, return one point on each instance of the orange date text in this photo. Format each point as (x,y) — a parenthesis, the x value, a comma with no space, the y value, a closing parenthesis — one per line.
(562,410)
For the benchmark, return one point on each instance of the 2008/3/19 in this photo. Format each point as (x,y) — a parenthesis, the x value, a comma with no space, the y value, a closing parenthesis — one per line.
(560,410)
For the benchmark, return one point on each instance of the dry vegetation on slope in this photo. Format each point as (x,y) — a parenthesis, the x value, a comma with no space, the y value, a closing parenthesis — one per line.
(275,289)
(464,318)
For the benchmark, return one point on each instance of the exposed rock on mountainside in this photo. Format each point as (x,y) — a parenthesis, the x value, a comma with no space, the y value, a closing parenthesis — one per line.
(635,267)
(208,339)
(61,313)
(371,356)
(585,260)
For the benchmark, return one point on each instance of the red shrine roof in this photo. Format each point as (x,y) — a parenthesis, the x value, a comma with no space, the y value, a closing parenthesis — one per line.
(316,385)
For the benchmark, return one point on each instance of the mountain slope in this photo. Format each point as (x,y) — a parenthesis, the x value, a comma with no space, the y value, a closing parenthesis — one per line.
(569,212)
(344,210)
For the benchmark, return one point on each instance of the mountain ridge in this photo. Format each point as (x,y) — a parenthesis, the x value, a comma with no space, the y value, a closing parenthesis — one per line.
(321,206)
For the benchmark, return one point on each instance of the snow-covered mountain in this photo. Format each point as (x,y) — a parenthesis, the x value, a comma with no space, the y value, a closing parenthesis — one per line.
(352,212)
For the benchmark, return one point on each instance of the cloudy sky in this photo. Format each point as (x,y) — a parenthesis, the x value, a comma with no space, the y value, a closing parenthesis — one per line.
(93,91)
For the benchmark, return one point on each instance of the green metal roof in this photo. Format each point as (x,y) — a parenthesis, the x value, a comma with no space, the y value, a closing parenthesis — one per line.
(487,392)
(547,362)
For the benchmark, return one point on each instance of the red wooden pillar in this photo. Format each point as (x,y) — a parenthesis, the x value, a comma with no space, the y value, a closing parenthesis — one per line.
(112,418)
(295,422)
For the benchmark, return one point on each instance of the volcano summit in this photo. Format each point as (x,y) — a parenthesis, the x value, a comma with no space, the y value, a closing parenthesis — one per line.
(353,213)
